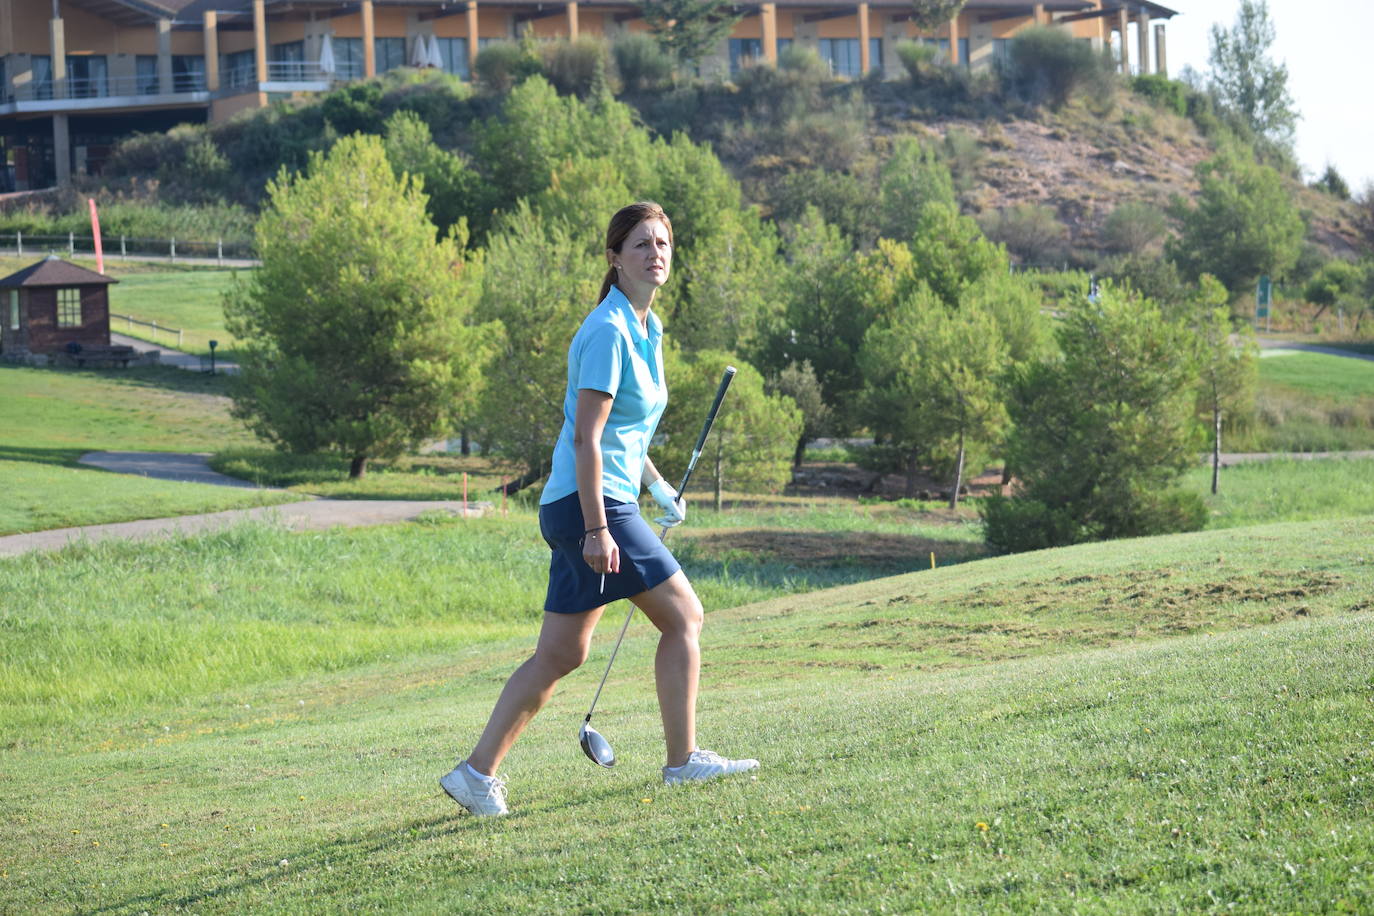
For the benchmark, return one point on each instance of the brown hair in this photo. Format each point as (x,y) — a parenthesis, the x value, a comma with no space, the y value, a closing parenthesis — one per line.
(625,219)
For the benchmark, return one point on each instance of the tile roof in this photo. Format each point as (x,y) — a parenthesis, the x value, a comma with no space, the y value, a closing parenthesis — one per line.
(53,271)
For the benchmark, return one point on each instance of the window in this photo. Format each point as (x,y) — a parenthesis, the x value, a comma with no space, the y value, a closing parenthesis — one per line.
(145,81)
(744,52)
(14,310)
(69,308)
(188,73)
(1001,51)
(287,61)
(842,54)
(390,52)
(348,58)
(454,52)
(41,65)
(240,69)
(86,77)
(875,54)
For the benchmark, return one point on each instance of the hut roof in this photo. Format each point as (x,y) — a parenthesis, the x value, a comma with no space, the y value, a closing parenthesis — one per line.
(53,271)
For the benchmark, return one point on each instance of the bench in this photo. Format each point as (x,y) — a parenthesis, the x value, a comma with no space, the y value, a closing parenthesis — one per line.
(95,356)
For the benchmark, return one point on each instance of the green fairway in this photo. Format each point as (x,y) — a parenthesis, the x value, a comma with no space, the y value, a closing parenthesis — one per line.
(1320,374)
(1286,491)
(49,418)
(189,300)
(1309,402)
(1012,734)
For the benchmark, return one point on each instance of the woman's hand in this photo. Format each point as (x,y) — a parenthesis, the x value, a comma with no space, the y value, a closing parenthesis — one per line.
(601,552)
(674,506)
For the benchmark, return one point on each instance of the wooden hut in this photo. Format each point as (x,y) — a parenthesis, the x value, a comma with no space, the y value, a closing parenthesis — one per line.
(58,310)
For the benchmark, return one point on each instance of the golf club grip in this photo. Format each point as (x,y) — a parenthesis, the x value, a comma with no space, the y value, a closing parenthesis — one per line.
(725,379)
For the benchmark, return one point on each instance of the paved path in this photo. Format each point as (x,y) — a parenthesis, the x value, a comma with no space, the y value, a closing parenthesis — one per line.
(170,356)
(317,514)
(1273,345)
(191,468)
(1230,458)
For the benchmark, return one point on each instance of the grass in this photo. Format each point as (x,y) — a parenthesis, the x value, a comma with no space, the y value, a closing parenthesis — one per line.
(1286,490)
(431,476)
(1171,724)
(190,300)
(1320,374)
(1310,402)
(49,418)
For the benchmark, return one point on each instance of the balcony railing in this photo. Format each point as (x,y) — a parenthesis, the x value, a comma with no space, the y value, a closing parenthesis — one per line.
(291,71)
(101,88)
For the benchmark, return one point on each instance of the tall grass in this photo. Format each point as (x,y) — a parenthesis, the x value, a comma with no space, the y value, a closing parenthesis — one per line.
(1286,490)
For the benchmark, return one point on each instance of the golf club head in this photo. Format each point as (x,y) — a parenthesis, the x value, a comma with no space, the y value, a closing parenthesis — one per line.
(597,748)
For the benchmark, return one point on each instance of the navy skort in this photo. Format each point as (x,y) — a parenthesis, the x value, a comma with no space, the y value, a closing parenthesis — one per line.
(573,587)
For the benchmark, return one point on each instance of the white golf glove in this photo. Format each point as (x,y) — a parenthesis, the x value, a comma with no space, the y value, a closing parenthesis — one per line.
(674,506)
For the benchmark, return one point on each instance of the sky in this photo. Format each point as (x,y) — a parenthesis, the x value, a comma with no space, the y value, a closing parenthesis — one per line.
(1326,45)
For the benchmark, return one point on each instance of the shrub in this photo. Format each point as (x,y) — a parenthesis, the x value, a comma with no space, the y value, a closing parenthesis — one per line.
(1133,227)
(641,62)
(576,67)
(803,62)
(355,108)
(503,64)
(1332,183)
(1031,232)
(963,154)
(1168,94)
(1019,525)
(918,59)
(1048,65)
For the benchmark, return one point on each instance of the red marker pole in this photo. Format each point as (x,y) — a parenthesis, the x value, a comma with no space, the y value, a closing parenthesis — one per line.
(95,234)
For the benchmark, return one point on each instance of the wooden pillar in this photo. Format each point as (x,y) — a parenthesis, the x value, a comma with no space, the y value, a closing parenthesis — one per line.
(211,32)
(1161,58)
(768,20)
(369,41)
(164,55)
(572,21)
(1122,23)
(260,40)
(57,38)
(954,40)
(61,135)
(1142,27)
(865,59)
(472,38)
(1038,14)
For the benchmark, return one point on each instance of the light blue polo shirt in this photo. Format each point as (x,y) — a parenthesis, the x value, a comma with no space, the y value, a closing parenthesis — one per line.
(611,353)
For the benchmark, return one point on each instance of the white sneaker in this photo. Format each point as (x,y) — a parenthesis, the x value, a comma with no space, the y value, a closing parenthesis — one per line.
(482,797)
(703,765)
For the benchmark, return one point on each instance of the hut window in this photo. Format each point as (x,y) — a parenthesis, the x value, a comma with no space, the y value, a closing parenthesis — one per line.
(14,310)
(69,308)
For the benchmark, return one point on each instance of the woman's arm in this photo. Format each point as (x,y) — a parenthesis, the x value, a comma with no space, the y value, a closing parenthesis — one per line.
(598,547)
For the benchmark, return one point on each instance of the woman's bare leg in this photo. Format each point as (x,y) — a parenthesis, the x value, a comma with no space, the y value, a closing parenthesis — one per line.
(563,643)
(673,607)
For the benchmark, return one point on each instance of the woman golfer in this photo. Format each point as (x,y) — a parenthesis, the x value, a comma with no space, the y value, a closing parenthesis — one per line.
(589,515)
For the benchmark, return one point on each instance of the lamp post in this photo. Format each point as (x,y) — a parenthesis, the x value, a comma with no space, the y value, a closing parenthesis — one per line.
(213,344)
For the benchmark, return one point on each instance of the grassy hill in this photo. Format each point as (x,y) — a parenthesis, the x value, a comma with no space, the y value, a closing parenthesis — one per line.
(1160,725)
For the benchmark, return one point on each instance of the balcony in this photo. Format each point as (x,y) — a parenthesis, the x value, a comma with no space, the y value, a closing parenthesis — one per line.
(290,76)
(100,93)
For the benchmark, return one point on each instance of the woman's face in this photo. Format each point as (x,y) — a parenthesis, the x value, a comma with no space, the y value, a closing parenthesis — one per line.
(645,257)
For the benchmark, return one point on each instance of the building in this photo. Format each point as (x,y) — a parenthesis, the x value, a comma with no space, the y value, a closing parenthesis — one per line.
(77,75)
(53,307)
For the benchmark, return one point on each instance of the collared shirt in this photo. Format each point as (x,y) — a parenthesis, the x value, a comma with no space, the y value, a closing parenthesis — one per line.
(612,353)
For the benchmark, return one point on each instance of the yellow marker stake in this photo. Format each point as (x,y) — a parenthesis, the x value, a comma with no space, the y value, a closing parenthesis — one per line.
(932,559)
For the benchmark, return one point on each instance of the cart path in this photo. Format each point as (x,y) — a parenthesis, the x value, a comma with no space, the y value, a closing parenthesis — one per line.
(189,467)
(309,515)
(170,356)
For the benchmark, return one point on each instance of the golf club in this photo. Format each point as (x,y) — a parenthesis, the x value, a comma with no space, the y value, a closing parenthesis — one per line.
(596,747)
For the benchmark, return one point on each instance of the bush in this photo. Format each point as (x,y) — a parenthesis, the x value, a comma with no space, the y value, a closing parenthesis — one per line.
(918,59)
(1031,232)
(641,62)
(1168,94)
(503,64)
(1018,525)
(1048,65)
(1332,183)
(576,67)
(1133,227)
(803,62)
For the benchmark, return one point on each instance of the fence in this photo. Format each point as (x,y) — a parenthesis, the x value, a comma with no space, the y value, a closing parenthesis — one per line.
(130,321)
(218,250)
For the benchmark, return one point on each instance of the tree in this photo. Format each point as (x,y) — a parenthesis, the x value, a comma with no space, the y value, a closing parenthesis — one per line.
(353,333)
(1333,183)
(1228,364)
(690,29)
(453,189)
(750,449)
(929,15)
(1245,223)
(931,375)
(912,178)
(799,382)
(1338,283)
(541,281)
(1101,433)
(952,253)
(1246,80)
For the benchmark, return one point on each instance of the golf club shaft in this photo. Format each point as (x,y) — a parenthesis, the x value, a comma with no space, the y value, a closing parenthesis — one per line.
(725,380)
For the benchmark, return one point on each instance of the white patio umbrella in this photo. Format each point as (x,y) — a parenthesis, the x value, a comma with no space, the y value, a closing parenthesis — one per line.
(436,59)
(327,64)
(419,53)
